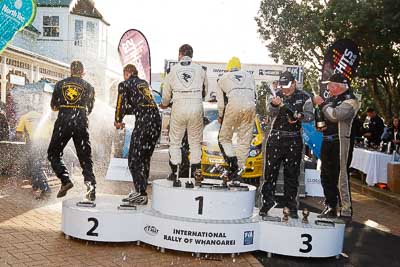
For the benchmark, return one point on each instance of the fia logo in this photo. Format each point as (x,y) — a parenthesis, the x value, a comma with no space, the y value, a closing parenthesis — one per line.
(151,230)
(248,238)
(186,77)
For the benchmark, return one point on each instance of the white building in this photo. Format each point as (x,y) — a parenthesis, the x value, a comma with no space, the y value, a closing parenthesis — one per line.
(20,63)
(76,30)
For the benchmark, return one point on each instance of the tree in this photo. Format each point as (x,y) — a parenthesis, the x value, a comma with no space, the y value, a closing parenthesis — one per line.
(262,92)
(299,32)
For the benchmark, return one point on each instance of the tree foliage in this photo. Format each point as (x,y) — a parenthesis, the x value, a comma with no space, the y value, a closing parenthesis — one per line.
(299,32)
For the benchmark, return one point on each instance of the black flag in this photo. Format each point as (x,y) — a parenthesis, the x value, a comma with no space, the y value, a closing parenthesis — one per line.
(342,57)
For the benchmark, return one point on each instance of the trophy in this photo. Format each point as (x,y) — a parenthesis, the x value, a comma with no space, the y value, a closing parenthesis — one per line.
(198,177)
(225,178)
(306,213)
(286,212)
(189,183)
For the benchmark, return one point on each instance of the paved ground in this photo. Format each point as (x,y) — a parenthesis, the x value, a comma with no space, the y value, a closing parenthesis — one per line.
(30,234)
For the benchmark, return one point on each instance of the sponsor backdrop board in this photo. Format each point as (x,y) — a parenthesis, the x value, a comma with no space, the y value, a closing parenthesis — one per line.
(260,72)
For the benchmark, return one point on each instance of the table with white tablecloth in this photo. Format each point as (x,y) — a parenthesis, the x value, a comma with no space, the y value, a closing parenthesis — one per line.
(372,163)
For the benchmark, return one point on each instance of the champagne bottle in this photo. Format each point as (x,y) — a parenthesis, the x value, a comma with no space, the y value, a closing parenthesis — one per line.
(290,113)
(319,118)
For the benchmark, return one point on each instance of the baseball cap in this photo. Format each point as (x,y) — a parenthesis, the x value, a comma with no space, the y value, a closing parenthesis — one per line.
(285,80)
(336,78)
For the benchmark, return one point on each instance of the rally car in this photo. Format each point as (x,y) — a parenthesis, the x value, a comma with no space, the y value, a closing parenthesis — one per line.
(212,156)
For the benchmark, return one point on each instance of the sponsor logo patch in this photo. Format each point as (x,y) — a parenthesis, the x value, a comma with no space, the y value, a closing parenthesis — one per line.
(248,238)
(151,230)
(186,77)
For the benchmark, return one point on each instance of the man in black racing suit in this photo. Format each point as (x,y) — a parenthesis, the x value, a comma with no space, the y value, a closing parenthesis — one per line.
(135,98)
(73,98)
(337,147)
(287,109)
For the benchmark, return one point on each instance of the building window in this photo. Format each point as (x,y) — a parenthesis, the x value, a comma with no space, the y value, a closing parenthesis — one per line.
(78,32)
(90,34)
(51,26)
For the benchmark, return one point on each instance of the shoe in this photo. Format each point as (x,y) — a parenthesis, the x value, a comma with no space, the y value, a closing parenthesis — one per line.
(64,189)
(141,200)
(171,177)
(328,213)
(346,215)
(174,171)
(293,214)
(265,208)
(131,197)
(90,191)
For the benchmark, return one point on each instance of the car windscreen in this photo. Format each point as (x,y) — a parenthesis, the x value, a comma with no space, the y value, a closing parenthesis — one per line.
(210,133)
(211,114)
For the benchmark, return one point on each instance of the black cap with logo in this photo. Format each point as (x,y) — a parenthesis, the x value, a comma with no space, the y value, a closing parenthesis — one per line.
(285,80)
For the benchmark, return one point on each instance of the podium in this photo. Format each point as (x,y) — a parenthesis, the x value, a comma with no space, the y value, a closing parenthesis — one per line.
(200,220)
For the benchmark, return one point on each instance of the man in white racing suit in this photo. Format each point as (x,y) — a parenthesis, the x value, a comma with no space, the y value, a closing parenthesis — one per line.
(236,96)
(185,85)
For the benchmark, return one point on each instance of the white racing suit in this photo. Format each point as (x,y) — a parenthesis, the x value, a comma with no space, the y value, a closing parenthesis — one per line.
(236,98)
(185,86)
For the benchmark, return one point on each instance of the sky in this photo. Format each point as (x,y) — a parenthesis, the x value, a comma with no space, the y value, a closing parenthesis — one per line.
(216,29)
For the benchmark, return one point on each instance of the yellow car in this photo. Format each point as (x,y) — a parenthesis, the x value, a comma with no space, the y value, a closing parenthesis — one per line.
(211,154)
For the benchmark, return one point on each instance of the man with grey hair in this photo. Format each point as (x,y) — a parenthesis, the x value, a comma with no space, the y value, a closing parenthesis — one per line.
(339,111)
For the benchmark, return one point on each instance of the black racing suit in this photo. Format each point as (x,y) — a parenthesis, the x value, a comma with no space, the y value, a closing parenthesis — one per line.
(135,98)
(285,144)
(337,148)
(376,128)
(73,97)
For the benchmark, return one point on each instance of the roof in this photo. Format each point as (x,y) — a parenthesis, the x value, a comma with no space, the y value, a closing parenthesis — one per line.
(54,3)
(84,8)
(87,8)
(12,48)
(31,28)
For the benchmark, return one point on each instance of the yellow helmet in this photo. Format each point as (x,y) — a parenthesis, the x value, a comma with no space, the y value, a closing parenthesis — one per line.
(234,63)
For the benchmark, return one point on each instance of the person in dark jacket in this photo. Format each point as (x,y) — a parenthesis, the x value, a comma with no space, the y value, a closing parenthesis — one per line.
(288,108)
(339,110)
(135,98)
(375,128)
(73,98)
(392,134)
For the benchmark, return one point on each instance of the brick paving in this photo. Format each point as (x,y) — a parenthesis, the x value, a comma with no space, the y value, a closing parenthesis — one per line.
(30,235)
